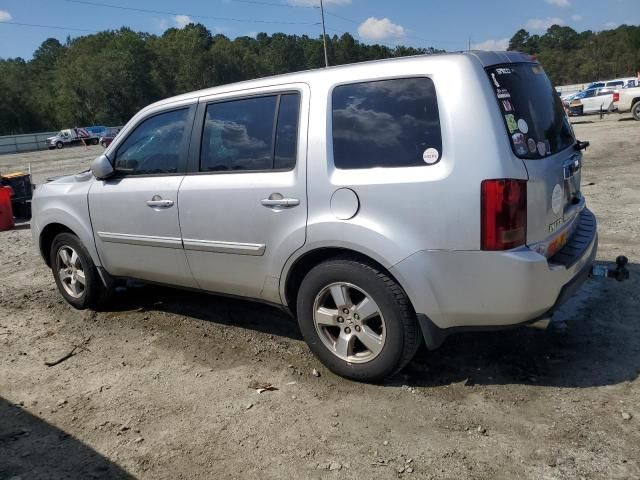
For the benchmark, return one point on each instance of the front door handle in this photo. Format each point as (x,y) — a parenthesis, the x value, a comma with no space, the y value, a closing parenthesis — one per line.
(158,202)
(280,202)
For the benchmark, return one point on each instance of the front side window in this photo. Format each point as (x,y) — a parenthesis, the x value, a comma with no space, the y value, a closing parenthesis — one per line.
(155,145)
(251,134)
(386,123)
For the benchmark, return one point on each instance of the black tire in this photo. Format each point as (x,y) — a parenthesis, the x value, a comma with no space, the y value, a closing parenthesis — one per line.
(635,110)
(59,145)
(94,141)
(403,335)
(95,294)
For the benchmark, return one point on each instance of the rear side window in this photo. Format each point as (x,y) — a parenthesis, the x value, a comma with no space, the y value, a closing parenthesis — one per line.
(154,146)
(533,113)
(387,123)
(251,134)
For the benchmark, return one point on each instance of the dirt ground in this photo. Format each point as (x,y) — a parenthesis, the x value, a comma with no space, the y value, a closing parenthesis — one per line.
(161,389)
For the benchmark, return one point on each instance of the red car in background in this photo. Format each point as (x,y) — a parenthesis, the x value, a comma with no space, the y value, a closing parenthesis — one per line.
(106,140)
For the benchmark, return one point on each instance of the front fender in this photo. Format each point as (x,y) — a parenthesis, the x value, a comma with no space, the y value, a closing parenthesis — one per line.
(74,222)
(64,203)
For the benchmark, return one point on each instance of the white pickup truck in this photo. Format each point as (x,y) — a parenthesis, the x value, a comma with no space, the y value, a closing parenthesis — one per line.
(628,100)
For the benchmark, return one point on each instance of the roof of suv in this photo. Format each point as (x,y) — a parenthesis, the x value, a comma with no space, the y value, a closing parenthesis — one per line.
(485,58)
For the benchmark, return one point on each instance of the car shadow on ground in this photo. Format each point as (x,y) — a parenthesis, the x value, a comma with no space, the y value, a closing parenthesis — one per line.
(594,344)
(31,448)
(229,311)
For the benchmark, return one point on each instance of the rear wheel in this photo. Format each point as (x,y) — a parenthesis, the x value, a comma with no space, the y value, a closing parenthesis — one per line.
(635,110)
(75,273)
(357,320)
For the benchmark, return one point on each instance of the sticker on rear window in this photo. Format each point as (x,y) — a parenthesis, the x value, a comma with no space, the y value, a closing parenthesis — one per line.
(503,71)
(430,156)
(519,143)
(511,123)
(506,104)
(495,80)
(503,93)
(541,149)
(531,143)
(523,125)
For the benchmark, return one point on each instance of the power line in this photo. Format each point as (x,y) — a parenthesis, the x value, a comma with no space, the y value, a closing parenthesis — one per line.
(208,17)
(343,18)
(48,26)
(273,4)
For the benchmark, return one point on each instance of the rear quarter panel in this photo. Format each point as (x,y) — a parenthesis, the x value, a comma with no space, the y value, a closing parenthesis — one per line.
(404,210)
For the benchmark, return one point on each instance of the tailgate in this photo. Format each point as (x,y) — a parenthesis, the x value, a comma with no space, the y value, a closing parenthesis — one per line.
(542,137)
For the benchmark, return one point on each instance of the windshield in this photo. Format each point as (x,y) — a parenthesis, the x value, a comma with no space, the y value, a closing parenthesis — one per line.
(532,112)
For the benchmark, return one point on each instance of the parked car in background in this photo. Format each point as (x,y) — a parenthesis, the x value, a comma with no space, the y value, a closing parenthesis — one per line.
(593,100)
(106,140)
(628,100)
(345,195)
(108,137)
(626,82)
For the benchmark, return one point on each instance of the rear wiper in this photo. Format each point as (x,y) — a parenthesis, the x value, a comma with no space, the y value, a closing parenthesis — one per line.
(580,145)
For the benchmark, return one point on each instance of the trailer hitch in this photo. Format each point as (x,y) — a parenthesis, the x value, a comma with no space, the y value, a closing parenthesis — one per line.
(620,273)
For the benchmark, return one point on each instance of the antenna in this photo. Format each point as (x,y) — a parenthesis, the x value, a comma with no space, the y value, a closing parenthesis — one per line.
(324,35)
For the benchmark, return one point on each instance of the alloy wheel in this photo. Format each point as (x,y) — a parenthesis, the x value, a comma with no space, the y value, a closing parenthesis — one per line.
(349,322)
(71,271)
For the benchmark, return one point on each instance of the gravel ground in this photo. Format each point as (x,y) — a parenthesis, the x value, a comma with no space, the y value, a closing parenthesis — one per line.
(162,386)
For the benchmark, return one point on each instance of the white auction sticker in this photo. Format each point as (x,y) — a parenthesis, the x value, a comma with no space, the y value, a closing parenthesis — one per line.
(523,126)
(556,199)
(430,156)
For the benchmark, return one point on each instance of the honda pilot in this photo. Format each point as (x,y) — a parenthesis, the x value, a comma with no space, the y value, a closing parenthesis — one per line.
(383,203)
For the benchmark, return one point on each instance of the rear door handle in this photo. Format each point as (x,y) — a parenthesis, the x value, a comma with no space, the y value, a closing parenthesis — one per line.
(158,202)
(280,202)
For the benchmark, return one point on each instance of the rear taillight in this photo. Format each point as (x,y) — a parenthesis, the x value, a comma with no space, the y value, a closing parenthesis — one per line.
(504,214)
(616,96)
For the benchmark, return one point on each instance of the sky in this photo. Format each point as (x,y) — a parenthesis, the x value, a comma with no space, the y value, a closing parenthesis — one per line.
(449,25)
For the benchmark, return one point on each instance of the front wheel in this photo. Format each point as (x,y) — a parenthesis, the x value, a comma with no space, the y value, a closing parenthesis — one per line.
(357,320)
(94,141)
(635,111)
(75,273)
(59,145)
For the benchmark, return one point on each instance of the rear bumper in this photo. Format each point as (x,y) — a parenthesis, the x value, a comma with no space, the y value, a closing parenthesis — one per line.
(476,289)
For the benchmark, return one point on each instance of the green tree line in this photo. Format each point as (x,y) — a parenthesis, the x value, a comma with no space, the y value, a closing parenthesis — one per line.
(105,78)
(570,57)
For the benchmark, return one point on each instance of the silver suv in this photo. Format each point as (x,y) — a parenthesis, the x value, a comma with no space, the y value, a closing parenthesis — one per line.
(381,203)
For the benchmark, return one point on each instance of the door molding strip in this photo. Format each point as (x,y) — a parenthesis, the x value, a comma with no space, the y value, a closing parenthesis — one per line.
(256,249)
(144,240)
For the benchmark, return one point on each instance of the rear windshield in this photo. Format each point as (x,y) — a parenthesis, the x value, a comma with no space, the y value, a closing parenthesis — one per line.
(531,109)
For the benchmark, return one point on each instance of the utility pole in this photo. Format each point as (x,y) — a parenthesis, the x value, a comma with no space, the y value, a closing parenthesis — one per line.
(469,43)
(324,35)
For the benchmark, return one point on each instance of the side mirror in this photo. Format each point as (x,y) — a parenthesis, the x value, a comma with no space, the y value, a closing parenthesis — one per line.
(101,167)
